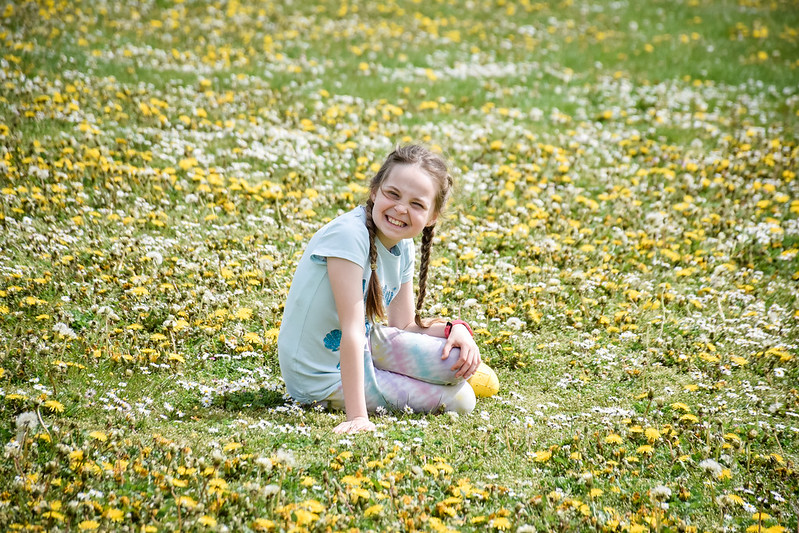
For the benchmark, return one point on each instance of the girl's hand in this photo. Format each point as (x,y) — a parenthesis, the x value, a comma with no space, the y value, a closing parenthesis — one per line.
(469,360)
(356,425)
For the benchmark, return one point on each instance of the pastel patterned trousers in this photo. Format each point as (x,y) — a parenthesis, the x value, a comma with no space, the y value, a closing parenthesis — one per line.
(405,370)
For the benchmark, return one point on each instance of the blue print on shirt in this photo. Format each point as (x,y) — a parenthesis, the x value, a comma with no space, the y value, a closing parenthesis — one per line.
(388,295)
(333,340)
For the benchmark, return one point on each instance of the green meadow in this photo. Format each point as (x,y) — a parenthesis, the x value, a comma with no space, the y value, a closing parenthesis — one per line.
(623,239)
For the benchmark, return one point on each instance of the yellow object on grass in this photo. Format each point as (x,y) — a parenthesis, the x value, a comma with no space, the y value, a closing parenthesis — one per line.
(484,381)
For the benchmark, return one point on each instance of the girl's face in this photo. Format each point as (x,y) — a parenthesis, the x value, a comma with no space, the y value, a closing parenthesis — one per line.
(404,204)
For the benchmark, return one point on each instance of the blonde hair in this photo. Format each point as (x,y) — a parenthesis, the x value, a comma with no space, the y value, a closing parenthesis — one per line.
(434,166)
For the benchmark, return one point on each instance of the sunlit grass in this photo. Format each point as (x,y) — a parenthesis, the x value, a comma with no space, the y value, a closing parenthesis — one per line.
(623,238)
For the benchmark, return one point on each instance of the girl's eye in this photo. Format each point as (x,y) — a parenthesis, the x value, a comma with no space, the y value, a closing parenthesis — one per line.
(417,205)
(393,195)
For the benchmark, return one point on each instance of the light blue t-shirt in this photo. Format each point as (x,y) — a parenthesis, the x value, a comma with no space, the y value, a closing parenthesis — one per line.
(310,333)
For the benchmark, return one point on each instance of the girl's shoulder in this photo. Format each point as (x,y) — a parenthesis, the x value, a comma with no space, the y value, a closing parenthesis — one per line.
(347,230)
(354,221)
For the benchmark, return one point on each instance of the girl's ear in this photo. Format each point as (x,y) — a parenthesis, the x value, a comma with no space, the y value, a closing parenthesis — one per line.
(432,221)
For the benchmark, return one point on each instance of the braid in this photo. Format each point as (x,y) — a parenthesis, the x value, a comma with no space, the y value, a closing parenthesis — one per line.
(374,294)
(427,241)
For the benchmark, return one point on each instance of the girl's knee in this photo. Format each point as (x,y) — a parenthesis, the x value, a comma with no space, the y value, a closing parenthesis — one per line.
(463,401)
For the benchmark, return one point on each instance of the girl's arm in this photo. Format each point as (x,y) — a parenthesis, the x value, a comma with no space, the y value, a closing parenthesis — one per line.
(401,313)
(346,280)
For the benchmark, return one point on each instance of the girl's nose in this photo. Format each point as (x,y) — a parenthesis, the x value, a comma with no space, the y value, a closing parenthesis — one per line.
(401,208)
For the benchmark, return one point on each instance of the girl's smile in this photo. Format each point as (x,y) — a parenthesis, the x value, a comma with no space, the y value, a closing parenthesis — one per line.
(396,222)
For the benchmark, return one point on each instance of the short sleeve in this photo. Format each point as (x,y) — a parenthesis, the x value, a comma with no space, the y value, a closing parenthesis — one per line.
(345,238)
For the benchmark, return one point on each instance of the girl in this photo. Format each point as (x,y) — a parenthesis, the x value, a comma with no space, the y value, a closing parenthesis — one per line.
(358,269)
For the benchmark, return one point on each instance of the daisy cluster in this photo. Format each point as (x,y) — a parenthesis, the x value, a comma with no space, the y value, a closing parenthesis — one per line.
(623,240)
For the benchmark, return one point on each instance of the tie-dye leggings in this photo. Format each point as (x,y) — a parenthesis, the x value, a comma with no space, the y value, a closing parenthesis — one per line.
(404,369)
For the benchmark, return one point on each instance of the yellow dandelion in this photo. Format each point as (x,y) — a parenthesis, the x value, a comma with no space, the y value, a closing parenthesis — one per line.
(689,418)
(139,291)
(115,515)
(186,501)
(263,524)
(357,493)
(374,510)
(305,518)
(243,313)
(252,337)
(652,435)
(88,525)
(543,456)
(501,523)
(207,521)
(55,406)
(735,498)
(217,486)
(98,435)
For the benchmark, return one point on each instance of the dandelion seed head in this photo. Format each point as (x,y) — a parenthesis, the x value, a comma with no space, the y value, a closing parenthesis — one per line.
(286,458)
(711,467)
(660,493)
(270,490)
(27,421)
(64,331)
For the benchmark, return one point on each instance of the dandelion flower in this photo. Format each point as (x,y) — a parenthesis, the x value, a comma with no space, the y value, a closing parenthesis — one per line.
(373,510)
(27,421)
(270,490)
(264,463)
(64,331)
(55,406)
(208,521)
(711,467)
(543,456)
(262,524)
(286,458)
(98,435)
(660,493)
(501,523)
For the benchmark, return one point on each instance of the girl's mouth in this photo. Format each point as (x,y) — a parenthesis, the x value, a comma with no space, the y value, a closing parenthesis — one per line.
(395,222)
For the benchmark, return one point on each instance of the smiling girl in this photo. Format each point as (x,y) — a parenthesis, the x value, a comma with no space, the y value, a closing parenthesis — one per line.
(359,269)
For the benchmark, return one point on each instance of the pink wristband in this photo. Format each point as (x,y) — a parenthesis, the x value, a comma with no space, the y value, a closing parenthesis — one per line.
(448,327)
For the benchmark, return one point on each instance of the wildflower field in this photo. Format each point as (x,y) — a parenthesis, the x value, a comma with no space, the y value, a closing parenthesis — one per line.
(623,238)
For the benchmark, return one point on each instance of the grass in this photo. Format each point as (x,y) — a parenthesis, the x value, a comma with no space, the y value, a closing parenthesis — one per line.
(623,238)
